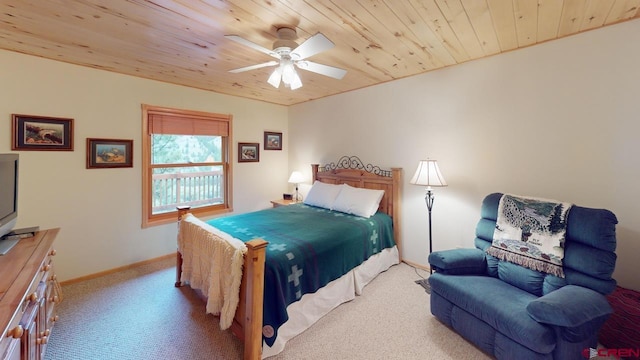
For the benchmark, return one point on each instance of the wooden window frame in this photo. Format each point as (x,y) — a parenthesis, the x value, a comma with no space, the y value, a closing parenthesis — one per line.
(148,219)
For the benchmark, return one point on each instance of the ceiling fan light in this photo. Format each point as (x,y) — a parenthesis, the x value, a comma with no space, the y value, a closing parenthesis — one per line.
(296,83)
(274,79)
(288,73)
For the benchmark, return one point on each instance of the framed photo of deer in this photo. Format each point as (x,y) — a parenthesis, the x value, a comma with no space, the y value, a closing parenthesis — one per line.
(31,132)
(109,153)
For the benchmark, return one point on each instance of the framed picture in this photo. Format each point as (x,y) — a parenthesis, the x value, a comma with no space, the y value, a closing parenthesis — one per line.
(248,152)
(109,153)
(31,132)
(272,140)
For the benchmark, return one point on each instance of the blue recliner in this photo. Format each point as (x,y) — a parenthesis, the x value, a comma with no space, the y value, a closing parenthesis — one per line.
(512,312)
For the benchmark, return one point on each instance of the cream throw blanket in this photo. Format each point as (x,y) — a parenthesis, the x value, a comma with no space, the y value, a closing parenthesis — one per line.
(212,262)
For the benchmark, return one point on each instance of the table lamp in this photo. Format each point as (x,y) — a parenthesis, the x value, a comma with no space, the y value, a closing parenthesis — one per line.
(296,178)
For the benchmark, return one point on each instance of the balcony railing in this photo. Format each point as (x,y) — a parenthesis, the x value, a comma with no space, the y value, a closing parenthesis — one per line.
(193,189)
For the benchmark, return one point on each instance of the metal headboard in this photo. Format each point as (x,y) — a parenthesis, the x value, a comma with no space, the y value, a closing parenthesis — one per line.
(354,162)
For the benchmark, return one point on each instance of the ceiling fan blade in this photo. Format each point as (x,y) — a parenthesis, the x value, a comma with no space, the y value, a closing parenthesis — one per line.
(321,69)
(313,45)
(253,67)
(252,45)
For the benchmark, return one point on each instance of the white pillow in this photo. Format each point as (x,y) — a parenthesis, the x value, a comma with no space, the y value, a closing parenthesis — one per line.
(358,201)
(322,194)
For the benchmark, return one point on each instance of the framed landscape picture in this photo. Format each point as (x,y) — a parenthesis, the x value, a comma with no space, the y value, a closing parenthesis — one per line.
(272,140)
(30,132)
(248,152)
(109,153)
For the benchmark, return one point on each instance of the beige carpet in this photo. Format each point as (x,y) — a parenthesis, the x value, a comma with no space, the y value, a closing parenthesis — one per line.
(139,314)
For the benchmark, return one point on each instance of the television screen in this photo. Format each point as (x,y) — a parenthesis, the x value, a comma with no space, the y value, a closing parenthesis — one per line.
(8,192)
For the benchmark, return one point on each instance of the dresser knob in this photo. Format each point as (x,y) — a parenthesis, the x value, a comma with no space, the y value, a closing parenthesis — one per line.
(52,252)
(16,332)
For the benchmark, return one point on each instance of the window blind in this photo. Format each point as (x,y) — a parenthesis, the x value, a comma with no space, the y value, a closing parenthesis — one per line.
(188,125)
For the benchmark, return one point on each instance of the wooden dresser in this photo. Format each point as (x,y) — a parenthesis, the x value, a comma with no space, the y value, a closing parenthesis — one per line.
(29,293)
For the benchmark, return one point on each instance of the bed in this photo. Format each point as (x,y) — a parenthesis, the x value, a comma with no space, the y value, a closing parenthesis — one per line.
(289,278)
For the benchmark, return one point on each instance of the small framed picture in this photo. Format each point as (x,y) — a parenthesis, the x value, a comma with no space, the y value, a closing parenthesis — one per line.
(248,152)
(31,132)
(272,140)
(109,153)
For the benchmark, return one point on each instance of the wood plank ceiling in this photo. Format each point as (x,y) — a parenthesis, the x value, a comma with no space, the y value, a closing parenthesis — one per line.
(182,41)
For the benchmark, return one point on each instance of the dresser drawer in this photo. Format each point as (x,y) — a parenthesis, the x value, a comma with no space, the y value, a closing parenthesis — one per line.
(28,294)
(10,348)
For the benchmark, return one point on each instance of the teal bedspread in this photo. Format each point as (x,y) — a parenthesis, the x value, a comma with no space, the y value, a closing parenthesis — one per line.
(308,248)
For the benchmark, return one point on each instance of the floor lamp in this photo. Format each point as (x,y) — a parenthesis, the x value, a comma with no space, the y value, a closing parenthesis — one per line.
(428,174)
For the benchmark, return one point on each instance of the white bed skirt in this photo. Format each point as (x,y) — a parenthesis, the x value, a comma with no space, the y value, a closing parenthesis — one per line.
(311,307)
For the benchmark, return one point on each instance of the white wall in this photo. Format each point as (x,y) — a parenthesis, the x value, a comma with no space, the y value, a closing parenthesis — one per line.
(99,210)
(558,120)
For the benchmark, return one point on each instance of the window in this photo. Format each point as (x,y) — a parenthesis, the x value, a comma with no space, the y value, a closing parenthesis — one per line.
(185,163)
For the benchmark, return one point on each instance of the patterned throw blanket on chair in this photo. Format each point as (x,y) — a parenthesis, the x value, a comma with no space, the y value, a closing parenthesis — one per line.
(531,232)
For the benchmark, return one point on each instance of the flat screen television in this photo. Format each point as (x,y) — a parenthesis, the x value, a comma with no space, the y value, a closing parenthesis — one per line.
(8,192)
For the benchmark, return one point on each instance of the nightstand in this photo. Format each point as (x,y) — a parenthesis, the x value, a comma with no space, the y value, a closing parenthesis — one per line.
(281,202)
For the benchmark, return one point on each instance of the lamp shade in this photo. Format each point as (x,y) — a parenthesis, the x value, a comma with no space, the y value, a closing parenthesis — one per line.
(275,77)
(296,177)
(428,174)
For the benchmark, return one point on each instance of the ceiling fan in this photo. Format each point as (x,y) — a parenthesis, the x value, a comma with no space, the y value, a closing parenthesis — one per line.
(289,53)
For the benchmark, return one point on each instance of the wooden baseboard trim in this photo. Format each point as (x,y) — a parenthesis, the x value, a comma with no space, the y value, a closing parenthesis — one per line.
(172,256)
(118,269)
(416,265)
